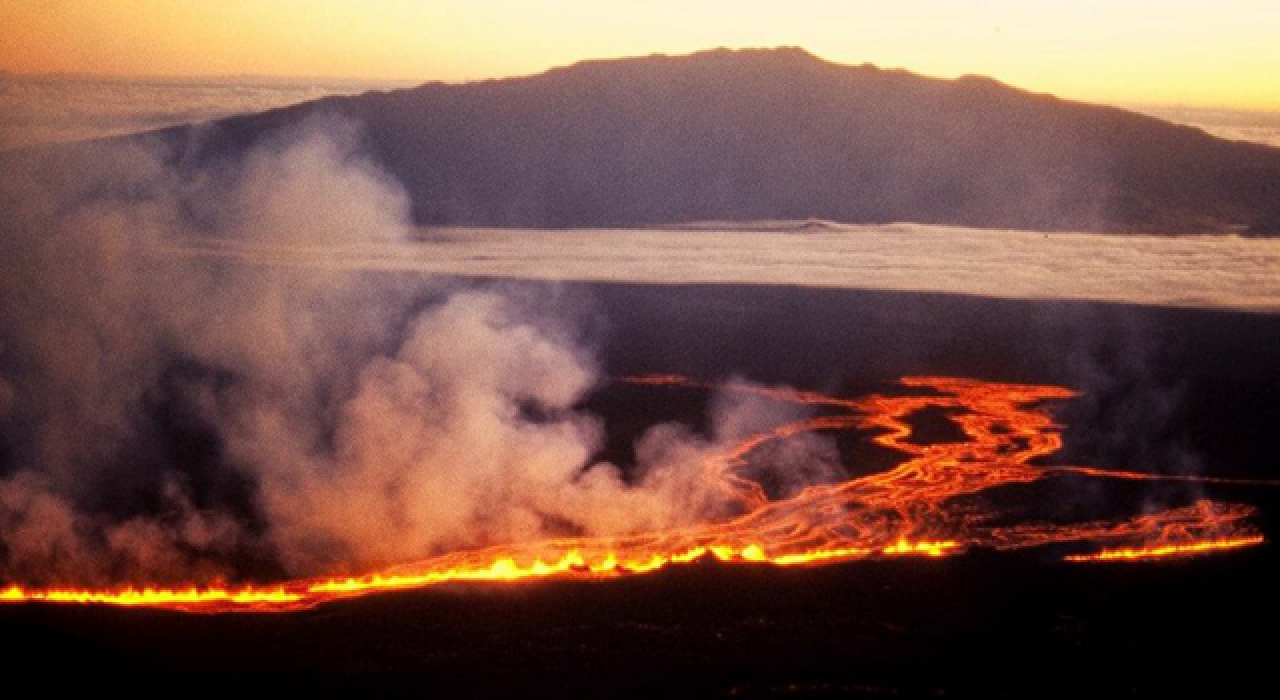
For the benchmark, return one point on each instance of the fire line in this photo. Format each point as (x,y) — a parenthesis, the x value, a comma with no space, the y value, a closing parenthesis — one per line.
(924,506)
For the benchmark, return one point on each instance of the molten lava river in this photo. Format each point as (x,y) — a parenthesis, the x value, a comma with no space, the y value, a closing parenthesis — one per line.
(926,505)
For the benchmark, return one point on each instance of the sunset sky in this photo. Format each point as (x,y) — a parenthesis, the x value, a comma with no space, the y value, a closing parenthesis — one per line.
(1132,51)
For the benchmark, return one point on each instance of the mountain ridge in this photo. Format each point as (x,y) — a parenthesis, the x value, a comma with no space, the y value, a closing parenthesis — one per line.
(754,134)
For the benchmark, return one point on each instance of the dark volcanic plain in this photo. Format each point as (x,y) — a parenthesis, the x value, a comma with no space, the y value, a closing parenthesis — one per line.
(1165,390)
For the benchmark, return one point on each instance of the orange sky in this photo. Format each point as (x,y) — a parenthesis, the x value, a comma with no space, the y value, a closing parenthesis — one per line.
(1225,52)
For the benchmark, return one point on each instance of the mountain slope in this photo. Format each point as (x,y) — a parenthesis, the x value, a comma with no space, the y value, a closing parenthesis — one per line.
(780,134)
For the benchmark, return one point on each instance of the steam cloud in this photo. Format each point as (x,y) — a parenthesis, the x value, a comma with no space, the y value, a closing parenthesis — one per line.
(169,418)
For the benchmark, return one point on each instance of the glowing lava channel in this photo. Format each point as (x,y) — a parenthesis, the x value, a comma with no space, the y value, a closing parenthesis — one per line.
(922,507)
(1169,550)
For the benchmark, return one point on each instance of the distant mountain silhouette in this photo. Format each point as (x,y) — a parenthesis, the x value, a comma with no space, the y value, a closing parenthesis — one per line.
(780,134)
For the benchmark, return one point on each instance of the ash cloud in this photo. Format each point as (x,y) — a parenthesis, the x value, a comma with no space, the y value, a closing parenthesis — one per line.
(183,419)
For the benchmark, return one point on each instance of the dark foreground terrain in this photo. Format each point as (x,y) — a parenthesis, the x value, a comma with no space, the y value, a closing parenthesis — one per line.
(1174,391)
(982,624)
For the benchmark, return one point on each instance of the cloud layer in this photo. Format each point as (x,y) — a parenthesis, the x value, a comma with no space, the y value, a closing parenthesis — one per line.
(51,109)
(1224,272)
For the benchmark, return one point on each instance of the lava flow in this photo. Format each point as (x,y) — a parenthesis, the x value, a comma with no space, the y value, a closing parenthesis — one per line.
(927,505)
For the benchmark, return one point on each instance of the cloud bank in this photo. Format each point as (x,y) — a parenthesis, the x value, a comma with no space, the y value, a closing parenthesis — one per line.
(1213,272)
(54,109)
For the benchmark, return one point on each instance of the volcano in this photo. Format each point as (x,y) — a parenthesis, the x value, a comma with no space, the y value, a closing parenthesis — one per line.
(779,134)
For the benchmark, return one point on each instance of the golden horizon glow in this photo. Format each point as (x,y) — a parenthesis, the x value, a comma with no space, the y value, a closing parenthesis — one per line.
(1119,51)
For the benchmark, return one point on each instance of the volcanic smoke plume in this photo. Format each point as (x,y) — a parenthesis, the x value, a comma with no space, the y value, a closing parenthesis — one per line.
(168,419)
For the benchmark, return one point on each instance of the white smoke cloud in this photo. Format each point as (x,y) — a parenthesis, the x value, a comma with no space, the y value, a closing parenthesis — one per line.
(45,539)
(375,417)
(432,450)
(468,435)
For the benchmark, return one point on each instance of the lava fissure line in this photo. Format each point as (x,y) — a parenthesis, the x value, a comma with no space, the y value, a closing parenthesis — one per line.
(914,508)
(1143,476)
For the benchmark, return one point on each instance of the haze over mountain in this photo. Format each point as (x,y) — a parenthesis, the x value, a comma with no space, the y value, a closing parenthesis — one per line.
(780,134)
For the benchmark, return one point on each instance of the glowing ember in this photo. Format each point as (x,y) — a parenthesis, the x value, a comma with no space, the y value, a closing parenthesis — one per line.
(924,506)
